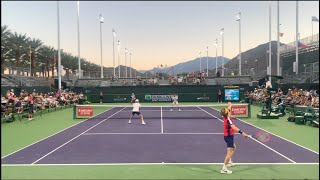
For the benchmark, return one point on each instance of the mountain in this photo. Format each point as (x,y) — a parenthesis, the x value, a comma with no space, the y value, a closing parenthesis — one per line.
(255,58)
(190,66)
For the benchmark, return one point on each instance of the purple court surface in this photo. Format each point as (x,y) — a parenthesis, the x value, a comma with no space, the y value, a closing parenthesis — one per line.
(193,135)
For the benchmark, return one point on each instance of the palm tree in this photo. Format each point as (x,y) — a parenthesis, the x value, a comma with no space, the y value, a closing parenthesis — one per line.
(5,33)
(35,52)
(17,42)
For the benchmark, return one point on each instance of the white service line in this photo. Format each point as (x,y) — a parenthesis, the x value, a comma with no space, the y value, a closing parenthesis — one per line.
(76,137)
(256,140)
(275,134)
(161,121)
(165,163)
(55,133)
(88,134)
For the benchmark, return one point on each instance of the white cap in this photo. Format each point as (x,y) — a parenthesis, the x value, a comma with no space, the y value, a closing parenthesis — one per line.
(137,100)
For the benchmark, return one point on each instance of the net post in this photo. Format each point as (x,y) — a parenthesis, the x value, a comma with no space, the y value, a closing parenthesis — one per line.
(249,110)
(74,112)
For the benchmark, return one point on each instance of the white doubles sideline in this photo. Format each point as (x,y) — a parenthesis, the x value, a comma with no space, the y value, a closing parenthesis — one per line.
(275,135)
(54,134)
(164,163)
(76,136)
(255,140)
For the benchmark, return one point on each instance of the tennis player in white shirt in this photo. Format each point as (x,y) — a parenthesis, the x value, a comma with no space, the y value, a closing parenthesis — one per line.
(136,110)
(174,99)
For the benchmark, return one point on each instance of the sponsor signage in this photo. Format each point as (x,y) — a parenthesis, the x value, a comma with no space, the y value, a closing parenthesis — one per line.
(239,111)
(120,99)
(158,97)
(85,111)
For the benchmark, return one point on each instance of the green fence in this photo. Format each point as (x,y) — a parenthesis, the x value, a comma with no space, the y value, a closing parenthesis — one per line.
(156,93)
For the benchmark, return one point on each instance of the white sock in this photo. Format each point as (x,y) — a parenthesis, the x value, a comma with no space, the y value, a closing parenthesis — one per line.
(230,161)
(224,167)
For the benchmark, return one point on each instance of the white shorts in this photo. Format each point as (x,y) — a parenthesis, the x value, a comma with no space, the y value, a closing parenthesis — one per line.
(175,103)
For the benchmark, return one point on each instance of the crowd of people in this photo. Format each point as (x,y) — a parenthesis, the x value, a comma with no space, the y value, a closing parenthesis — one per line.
(12,103)
(294,96)
(195,79)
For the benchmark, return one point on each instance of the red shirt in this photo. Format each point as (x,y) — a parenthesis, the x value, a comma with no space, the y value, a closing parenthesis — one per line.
(227,130)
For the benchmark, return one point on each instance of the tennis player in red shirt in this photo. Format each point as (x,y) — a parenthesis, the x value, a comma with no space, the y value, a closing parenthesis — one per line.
(228,130)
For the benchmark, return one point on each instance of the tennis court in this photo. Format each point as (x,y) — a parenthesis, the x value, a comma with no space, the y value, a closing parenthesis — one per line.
(193,135)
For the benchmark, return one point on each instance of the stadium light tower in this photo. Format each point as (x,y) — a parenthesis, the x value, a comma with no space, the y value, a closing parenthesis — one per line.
(222,48)
(101,21)
(207,60)
(200,60)
(79,64)
(59,55)
(216,44)
(114,61)
(238,18)
(130,65)
(119,58)
(297,38)
(126,51)
(269,67)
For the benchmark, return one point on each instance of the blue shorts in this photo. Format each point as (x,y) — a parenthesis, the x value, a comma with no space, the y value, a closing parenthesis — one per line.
(135,112)
(30,108)
(229,141)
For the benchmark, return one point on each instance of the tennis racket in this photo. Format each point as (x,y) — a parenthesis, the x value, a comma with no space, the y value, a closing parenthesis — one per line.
(261,136)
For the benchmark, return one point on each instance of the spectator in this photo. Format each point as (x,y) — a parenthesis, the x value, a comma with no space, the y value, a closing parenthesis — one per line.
(219,96)
(101,96)
(30,107)
(218,74)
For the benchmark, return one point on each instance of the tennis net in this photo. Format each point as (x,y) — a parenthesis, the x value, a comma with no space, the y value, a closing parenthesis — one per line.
(97,111)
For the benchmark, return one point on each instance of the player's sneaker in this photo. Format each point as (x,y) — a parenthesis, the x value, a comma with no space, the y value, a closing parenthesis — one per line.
(129,122)
(179,109)
(143,122)
(225,171)
(170,109)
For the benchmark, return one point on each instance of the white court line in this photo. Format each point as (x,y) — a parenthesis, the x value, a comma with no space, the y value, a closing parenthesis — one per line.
(55,134)
(77,136)
(256,140)
(161,121)
(135,164)
(274,134)
(88,134)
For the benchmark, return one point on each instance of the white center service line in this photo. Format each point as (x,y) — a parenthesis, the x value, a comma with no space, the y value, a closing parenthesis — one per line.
(161,121)
(252,138)
(76,137)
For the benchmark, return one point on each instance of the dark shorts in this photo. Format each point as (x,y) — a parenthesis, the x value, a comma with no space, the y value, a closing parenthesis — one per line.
(101,97)
(30,108)
(137,113)
(229,141)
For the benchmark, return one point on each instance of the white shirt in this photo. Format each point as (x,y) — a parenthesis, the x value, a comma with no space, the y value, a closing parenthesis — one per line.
(174,98)
(136,107)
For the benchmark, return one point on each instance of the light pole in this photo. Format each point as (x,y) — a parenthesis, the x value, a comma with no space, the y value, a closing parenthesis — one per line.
(297,38)
(59,55)
(119,58)
(101,21)
(278,38)
(245,62)
(222,45)
(114,61)
(269,42)
(130,66)
(216,44)
(207,60)
(79,64)
(200,60)
(126,51)
(239,19)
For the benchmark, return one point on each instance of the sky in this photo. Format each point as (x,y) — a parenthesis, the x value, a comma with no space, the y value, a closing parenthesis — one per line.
(157,32)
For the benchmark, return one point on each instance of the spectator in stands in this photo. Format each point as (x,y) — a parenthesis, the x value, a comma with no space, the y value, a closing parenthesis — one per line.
(219,93)
(30,107)
(18,106)
(101,96)
(218,74)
